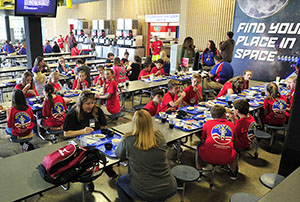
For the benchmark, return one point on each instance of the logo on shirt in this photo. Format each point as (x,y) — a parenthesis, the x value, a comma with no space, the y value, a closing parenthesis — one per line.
(22,120)
(279,107)
(221,134)
(58,108)
(251,131)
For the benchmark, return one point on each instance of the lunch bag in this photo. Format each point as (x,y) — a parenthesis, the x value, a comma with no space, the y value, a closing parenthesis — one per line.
(72,163)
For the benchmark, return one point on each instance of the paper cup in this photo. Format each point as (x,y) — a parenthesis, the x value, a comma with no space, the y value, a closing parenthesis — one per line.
(115,141)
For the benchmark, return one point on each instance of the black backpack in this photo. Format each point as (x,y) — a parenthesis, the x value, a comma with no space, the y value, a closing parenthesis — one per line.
(72,164)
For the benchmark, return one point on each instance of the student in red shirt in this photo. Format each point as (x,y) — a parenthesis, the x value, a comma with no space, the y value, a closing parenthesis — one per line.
(245,125)
(20,120)
(54,108)
(274,106)
(232,86)
(158,69)
(153,106)
(111,94)
(99,80)
(156,48)
(75,51)
(54,81)
(120,71)
(248,74)
(144,74)
(194,91)
(61,42)
(27,85)
(80,83)
(291,85)
(171,101)
(216,145)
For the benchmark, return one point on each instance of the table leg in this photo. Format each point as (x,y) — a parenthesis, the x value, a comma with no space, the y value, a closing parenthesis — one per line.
(83,192)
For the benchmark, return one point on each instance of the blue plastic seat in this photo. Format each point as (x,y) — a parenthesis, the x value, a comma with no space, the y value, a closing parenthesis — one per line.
(244,197)
(271,180)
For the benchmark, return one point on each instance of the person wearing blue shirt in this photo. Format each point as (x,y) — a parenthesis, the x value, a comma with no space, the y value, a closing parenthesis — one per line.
(22,50)
(62,66)
(9,48)
(47,47)
(208,55)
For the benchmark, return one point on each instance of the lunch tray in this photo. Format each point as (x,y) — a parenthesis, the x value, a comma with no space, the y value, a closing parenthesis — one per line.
(195,127)
(194,111)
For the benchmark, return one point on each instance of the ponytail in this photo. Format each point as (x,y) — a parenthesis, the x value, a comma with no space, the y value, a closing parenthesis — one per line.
(273,90)
(49,89)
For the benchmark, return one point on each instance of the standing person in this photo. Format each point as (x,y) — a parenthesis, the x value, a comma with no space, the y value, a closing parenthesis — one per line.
(156,48)
(72,40)
(39,80)
(22,50)
(134,68)
(20,120)
(62,66)
(93,46)
(291,85)
(75,51)
(61,42)
(227,47)
(47,47)
(56,48)
(166,65)
(149,176)
(186,52)
(208,55)
(27,85)
(119,69)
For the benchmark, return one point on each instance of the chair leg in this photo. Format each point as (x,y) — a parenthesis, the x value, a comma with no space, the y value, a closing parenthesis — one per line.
(182,192)
(272,138)
(211,184)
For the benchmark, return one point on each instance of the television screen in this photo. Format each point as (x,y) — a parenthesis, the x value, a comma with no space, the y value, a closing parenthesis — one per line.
(38,8)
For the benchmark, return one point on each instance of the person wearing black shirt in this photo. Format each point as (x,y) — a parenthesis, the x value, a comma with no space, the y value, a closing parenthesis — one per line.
(133,70)
(55,48)
(125,60)
(110,60)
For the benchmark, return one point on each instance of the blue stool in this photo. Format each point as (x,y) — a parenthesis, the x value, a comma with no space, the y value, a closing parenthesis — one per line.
(273,130)
(184,174)
(271,180)
(244,197)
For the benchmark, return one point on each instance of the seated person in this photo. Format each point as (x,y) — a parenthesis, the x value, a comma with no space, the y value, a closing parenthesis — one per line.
(75,51)
(134,68)
(40,65)
(153,106)
(170,100)
(149,177)
(232,86)
(85,117)
(208,55)
(62,66)
(245,125)
(54,81)
(216,145)
(22,50)
(110,60)
(125,60)
(39,80)
(27,86)
(99,80)
(166,65)
(9,48)
(274,106)
(86,69)
(80,83)
(291,85)
(193,93)
(47,47)
(144,74)
(119,69)
(248,74)
(219,74)
(56,48)
(158,69)
(111,94)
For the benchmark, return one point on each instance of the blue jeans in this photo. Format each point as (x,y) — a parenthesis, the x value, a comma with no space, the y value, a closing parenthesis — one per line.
(9,132)
(125,190)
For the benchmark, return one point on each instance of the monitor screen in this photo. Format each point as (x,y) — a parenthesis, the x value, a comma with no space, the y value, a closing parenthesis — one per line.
(38,8)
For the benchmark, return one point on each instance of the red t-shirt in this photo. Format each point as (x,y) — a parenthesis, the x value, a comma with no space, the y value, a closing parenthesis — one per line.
(97,78)
(74,51)
(192,95)
(276,111)
(246,85)
(245,131)
(56,86)
(143,73)
(20,120)
(154,70)
(83,85)
(218,148)
(166,100)
(61,42)
(291,98)
(58,111)
(156,46)
(112,104)
(152,108)
(224,89)
(27,94)
(120,73)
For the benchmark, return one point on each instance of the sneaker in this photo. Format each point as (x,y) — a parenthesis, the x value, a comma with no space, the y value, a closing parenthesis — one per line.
(233,175)
(225,168)
(90,187)
(25,147)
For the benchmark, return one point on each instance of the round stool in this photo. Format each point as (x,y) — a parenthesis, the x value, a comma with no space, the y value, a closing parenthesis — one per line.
(271,180)
(262,135)
(245,197)
(183,174)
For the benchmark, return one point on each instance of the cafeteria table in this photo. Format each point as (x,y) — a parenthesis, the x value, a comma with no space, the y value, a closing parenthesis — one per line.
(47,59)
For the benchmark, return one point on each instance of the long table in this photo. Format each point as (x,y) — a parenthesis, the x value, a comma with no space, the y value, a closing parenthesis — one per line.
(20,177)
(45,55)
(47,59)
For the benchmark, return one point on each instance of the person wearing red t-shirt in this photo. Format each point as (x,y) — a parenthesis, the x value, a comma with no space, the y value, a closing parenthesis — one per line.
(54,108)
(291,85)
(75,51)
(158,69)
(216,145)
(120,71)
(245,125)
(110,94)
(54,81)
(156,48)
(170,100)
(232,86)
(20,120)
(27,85)
(153,106)
(193,92)
(61,42)
(144,74)
(99,80)
(80,83)
(248,74)
(275,106)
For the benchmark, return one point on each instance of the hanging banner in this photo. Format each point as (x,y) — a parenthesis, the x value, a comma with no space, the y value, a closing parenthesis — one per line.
(267,36)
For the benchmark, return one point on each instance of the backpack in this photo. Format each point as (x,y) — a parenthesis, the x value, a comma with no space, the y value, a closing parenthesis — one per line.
(72,163)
